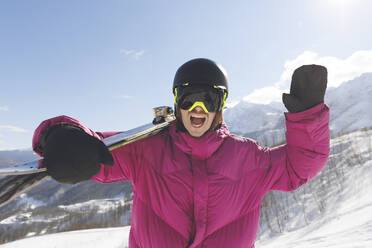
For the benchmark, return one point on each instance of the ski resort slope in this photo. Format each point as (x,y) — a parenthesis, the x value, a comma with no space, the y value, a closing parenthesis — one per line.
(348,226)
(347,223)
(93,238)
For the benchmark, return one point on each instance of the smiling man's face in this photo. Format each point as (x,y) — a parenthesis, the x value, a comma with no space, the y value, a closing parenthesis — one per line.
(197,122)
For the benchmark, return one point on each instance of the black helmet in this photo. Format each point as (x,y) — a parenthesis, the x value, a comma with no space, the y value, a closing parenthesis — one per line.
(201,71)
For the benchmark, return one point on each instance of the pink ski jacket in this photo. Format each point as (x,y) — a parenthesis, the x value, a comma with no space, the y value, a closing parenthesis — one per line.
(207,192)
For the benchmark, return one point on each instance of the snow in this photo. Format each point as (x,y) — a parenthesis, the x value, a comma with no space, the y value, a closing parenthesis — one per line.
(348,223)
(16,218)
(29,201)
(102,205)
(28,218)
(93,238)
(349,104)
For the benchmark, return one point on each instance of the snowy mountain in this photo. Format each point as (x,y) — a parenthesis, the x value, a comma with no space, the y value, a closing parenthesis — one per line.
(261,122)
(19,155)
(52,207)
(350,104)
(5,162)
(334,210)
(12,157)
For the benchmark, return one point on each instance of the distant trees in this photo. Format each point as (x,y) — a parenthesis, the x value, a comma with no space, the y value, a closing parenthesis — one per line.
(316,197)
(278,209)
(44,220)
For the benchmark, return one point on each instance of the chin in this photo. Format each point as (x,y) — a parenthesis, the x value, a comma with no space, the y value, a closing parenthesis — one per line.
(196,133)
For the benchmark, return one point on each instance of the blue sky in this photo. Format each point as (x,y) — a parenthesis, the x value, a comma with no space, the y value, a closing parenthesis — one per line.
(107,63)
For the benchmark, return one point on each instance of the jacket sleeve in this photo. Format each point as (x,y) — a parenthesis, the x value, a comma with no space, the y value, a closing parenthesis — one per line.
(124,158)
(305,154)
(127,163)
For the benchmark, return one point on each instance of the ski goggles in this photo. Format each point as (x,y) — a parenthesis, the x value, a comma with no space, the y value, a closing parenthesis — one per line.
(210,99)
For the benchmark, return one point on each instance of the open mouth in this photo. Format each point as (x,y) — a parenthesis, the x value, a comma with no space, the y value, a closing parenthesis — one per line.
(197,121)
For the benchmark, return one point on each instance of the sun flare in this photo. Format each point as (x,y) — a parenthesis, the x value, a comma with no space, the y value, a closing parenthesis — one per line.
(341,6)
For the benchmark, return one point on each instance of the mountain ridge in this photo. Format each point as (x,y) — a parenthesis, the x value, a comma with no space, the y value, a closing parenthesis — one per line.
(349,104)
(267,127)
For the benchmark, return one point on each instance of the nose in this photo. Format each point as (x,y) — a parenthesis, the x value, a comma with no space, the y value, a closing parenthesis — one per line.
(198,109)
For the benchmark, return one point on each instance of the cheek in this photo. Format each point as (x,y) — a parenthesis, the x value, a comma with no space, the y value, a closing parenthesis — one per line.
(184,115)
(211,117)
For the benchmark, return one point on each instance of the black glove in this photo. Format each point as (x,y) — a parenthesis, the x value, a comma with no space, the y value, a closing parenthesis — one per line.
(72,156)
(308,86)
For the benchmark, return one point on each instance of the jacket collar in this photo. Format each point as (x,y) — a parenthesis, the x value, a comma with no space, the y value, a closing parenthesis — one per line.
(199,148)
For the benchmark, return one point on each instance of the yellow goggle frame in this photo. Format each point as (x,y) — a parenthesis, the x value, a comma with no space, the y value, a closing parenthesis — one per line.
(201,104)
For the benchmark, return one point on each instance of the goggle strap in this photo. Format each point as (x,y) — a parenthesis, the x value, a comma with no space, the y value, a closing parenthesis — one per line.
(224,100)
(175,95)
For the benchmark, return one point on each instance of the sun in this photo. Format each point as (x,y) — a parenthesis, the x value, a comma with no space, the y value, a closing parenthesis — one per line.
(341,6)
(342,11)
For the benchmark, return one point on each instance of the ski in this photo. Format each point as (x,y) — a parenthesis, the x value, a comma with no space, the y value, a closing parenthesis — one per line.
(13,186)
(21,178)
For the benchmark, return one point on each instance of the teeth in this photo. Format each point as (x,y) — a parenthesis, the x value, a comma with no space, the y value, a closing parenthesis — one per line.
(198,116)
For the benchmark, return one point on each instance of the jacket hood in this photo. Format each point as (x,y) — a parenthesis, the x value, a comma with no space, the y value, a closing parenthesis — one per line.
(199,148)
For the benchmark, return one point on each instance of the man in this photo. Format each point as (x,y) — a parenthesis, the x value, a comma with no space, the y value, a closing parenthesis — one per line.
(195,184)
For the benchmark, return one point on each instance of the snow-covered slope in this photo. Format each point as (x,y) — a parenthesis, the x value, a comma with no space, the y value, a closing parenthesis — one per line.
(52,208)
(350,104)
(338,195)
(346,220)
(348,224)
(94,238)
